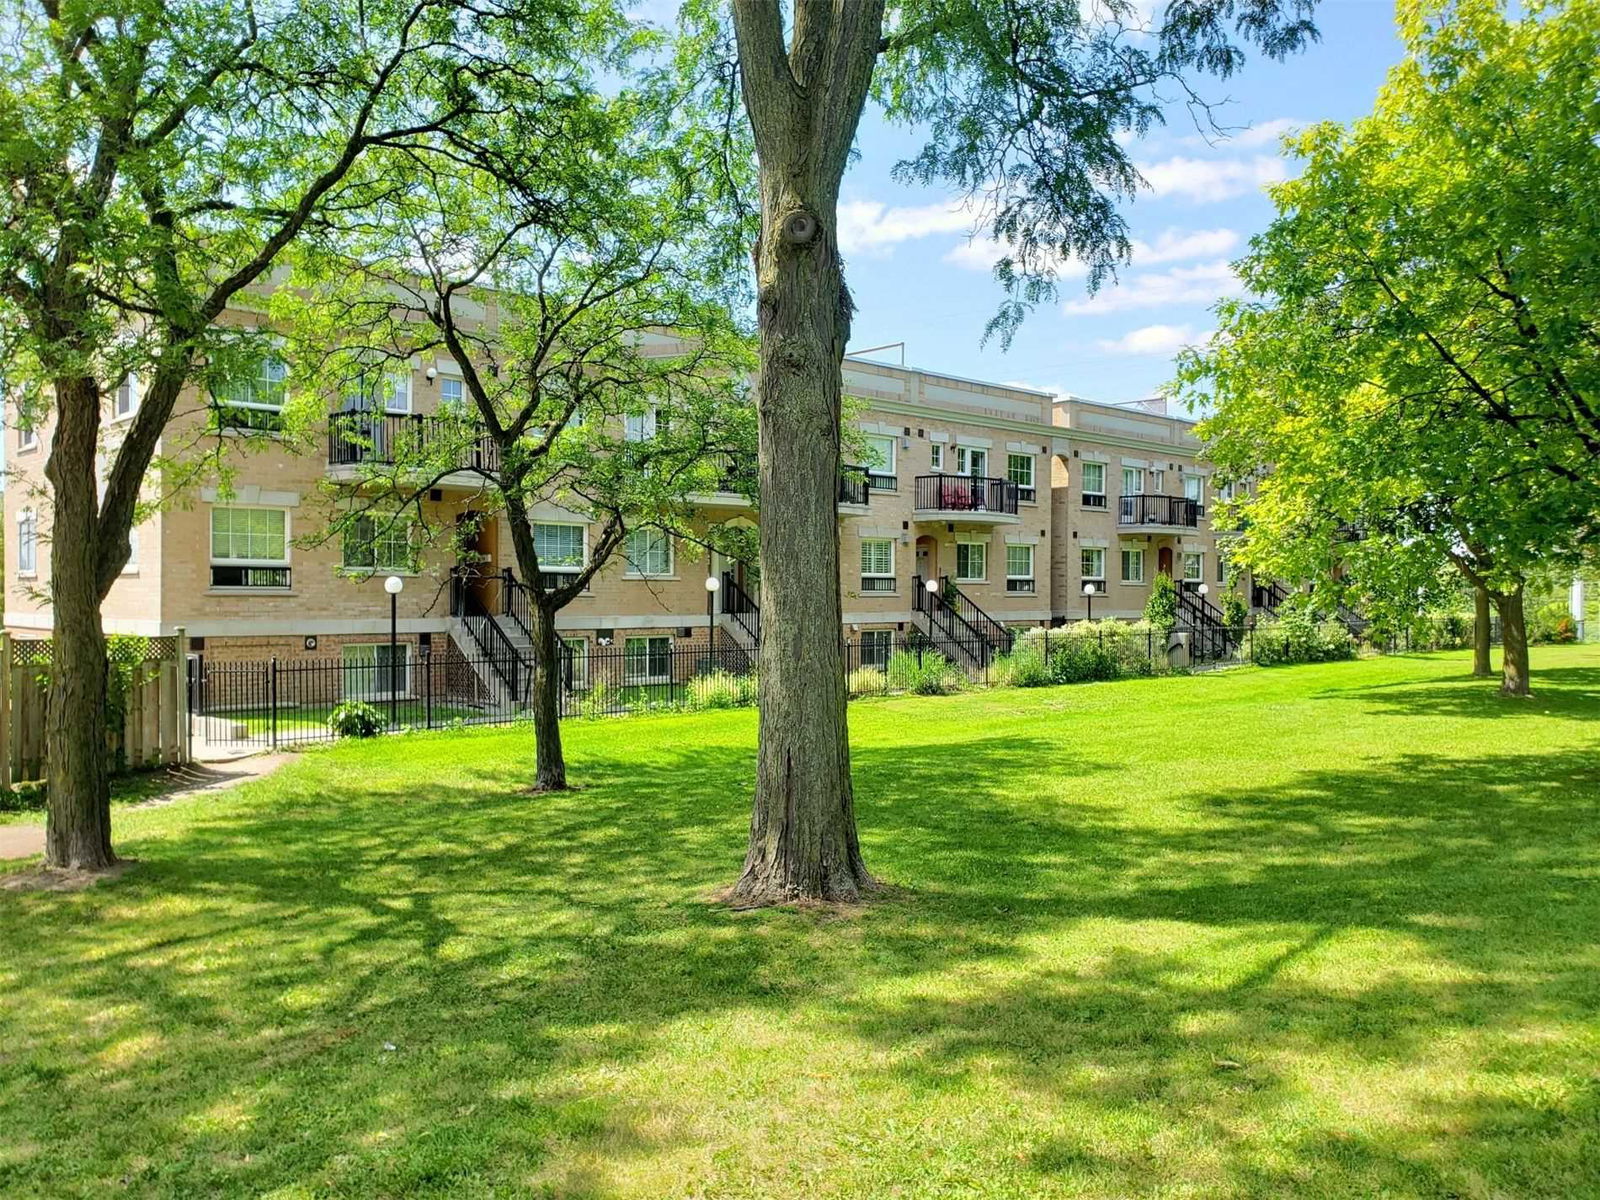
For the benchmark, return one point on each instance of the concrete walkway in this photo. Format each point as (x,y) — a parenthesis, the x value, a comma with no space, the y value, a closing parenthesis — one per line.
(24,841)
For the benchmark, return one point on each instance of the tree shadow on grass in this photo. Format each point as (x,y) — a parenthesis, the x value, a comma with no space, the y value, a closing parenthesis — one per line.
(218,1022)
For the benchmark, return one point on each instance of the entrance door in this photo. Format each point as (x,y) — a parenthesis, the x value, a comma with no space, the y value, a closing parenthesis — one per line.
(1164,561)
(480,561)
(927,558)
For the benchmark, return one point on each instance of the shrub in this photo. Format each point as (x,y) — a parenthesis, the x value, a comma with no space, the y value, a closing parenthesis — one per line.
(1161,609)
(1235,612)
(1025,666)
(26,795)
(1297,637)
(354,718)
(866,681)
(928,673)
(720,689)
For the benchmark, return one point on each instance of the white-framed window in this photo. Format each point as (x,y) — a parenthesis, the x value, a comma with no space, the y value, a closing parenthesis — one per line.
(249,547)
(1019,569)
(971,460)
(27,437)
(376,670)
(972,562)
(1225,491)
(1222,568)
(125,400)
(1092,566)
(1192,488)
(575,663)
(560,547)
(452,394)
(648,553)
(935,463)
(876,646)
(1193,566)
(255,401)
(1132,565)
(1132,481)
(1158,480)
(877,564)
(27,542)
(397,392)
(379,544)
(647,660)
(131,567)
(1094,484)
(640,427)
(880,464)
(1019,469)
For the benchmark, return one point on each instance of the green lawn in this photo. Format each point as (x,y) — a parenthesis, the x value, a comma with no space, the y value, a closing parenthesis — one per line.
(1318,931)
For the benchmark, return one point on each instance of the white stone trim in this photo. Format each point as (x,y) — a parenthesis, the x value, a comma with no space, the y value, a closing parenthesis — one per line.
(251,495)
(1022,539)
(1095,543)
(939,437)
(1094,456)
(881,429)
(980,443)
(1136,462)
(1023,448)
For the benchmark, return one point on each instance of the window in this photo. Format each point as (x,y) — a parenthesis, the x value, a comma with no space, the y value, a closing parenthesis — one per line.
(1193,566)
(1132,566)
(639,427)
(647,660)
(451,394)
(971,461)
(131,567)
(1222,569)
(249,548)
(1225,491)
(1092,566)
(1132,481)
(27,436)
(876,647)
(877,564)
(971,562)
(559,547)
(397,392)
(575,663)
(1094,485)
(1191,488)
(377,670)
(256,401)
(373,391)
(880,458)
(125,402)
(935,462)
(1019,469)
(649,553)
(1019,569)
(27,543)
(379,544)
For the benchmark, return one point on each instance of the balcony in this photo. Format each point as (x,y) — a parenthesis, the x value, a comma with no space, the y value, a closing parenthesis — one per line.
(1155,513)
(426,443)
(735,482)
(972,499)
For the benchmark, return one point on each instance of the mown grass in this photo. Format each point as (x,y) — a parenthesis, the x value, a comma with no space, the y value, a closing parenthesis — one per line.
(1319,931)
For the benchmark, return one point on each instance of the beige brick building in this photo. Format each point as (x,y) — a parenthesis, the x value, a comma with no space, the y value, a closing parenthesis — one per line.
(1011,498)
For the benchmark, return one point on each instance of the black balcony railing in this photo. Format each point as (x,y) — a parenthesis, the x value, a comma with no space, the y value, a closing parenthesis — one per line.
(877,583)
(854,485)
(1174,511)
(965,493)
(1094,499)
(736,475)
(390,439)
(879,482)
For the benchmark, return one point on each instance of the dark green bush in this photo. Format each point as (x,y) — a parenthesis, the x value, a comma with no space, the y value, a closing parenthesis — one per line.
(355,719)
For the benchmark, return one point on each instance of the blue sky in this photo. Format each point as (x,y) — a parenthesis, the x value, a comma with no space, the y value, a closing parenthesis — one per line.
(918,278)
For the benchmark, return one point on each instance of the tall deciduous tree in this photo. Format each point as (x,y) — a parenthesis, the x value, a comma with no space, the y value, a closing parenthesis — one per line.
(1421,366)
(157,160)
(586,292)
(1024,102)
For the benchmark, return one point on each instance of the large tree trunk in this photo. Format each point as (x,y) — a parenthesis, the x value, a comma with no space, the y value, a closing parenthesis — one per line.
(551,773)
(1513,644)
(1481,666)
(804,106)
(78,823)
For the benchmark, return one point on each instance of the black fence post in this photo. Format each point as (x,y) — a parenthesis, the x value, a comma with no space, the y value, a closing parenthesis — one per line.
(427,689)
(272,700)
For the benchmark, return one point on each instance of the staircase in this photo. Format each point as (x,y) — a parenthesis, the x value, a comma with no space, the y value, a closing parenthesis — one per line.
(951,634)
(1268,595)
(1210,638)
(499,650)
(740,617)
(996,634)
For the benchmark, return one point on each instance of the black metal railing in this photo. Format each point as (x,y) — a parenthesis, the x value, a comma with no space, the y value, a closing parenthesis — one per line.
(951,633)
(965,494)
(1094,499)
(1175,511)
(1268,595)
(738,604)
(223,576)
(390,439)
(981,622)
(1027,493)
(880,482)
(247,418)
(733,474)
(1211,637)
(855,485)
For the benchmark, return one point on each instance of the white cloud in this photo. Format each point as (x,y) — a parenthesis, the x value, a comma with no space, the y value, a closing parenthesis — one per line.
(1203,283)
(1207,181)
(1153,339)
(1172,245)
(1268,133)
(871,227)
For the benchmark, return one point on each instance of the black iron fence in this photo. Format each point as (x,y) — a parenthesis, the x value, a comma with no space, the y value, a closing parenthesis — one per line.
(965,493)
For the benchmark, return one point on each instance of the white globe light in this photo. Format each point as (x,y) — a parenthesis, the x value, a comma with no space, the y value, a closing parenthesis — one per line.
(932,585)
(1204,589)
(712,583)
(393,585)
(1088,589)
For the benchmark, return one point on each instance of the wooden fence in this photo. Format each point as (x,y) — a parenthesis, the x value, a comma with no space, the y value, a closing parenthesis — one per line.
(149,685)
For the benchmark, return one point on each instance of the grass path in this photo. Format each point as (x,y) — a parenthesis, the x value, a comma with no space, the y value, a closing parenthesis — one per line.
(1320,931)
